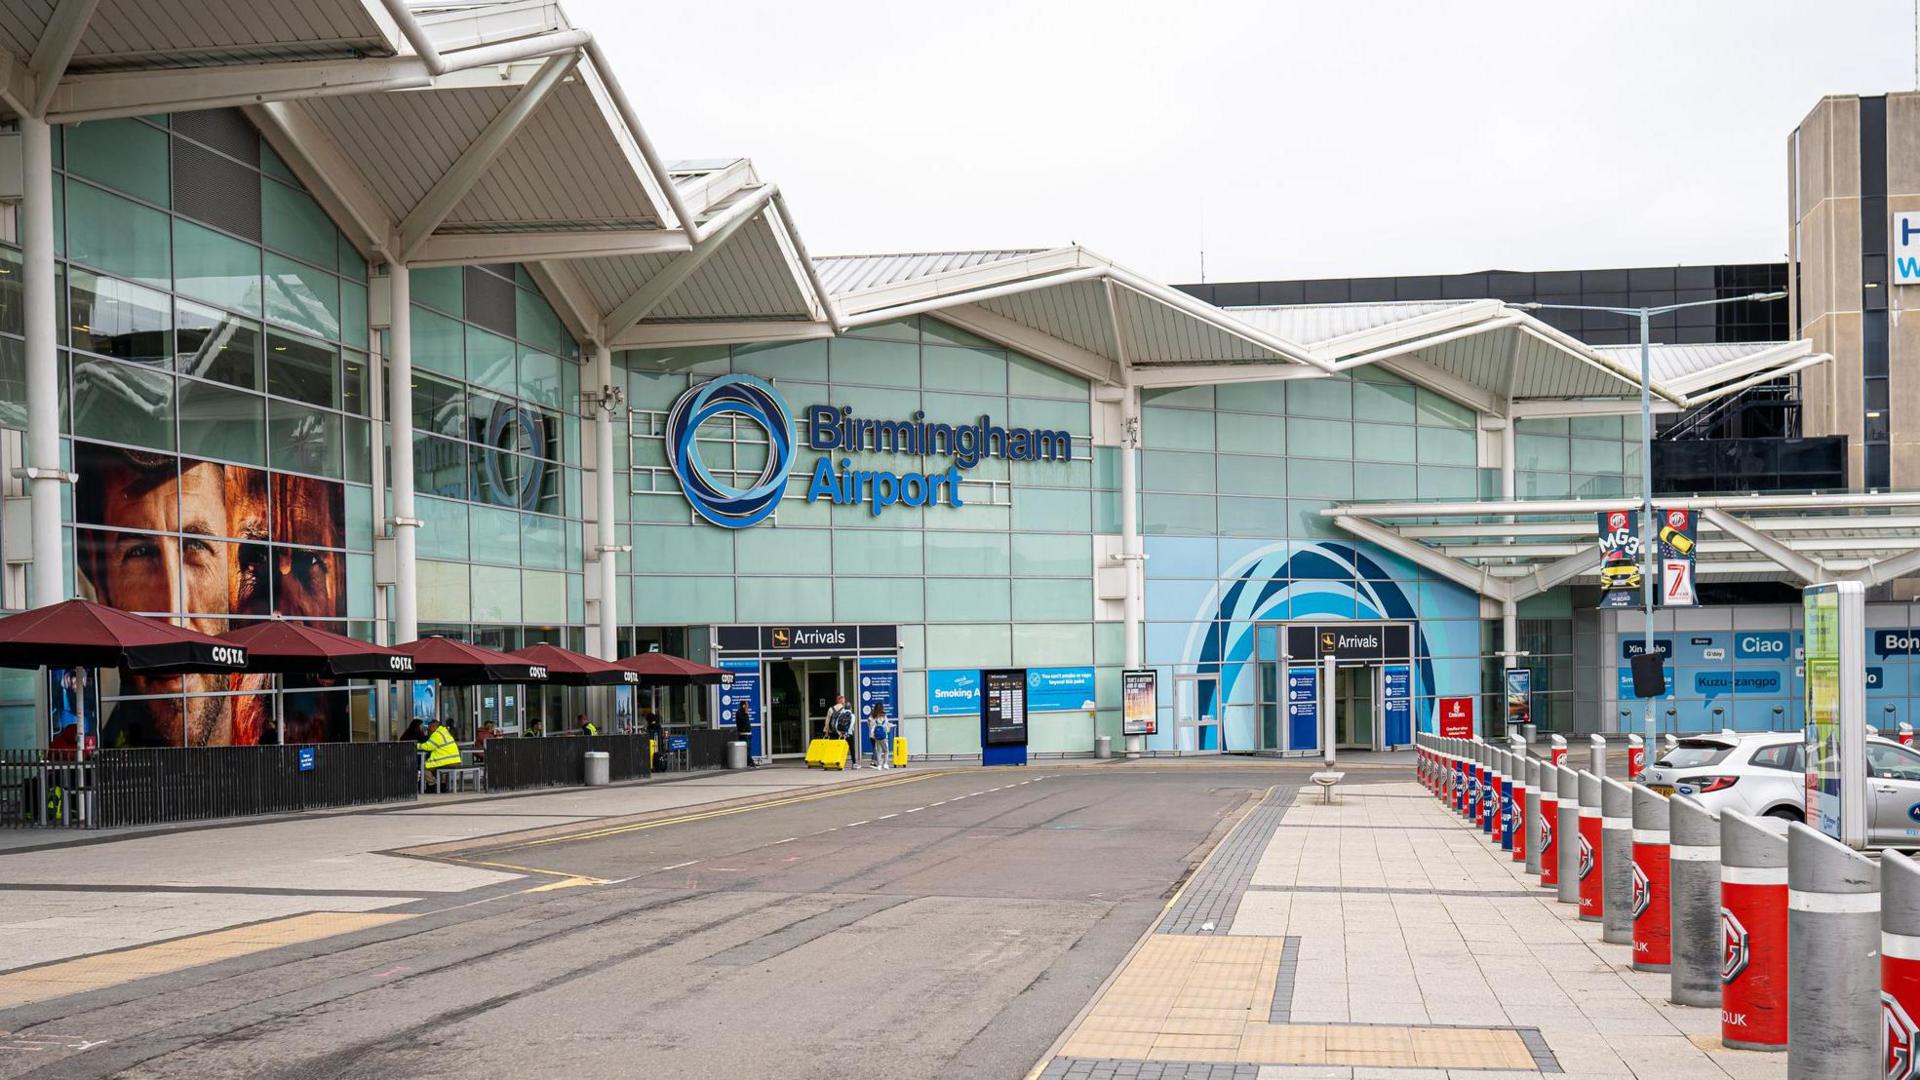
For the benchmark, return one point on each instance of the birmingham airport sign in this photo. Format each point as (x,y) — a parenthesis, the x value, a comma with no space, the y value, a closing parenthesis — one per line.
(835,430)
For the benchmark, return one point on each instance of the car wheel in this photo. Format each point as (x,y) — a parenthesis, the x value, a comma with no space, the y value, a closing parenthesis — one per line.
(1786,813)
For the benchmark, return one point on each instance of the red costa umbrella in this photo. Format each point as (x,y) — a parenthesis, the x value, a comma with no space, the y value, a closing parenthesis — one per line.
(80,633)
(660,669)
(457,663)
(293,648)
(576,669)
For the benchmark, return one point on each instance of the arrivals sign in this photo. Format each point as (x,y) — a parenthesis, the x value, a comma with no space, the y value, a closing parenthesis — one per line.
(1139,702)
(736,501)
(1350,641)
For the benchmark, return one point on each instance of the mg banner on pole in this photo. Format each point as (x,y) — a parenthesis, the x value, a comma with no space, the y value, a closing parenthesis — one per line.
(1620,572)
(1678,540)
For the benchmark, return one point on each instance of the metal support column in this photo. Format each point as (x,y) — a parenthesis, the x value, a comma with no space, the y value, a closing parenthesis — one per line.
(1130,554)
(406,608)
(43,474)
(606,517)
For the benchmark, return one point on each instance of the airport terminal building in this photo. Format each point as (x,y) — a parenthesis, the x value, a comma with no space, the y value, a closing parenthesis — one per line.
(394,320)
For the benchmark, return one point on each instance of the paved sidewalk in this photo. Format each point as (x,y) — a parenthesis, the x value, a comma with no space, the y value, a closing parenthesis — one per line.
(1380,938)
(143,887)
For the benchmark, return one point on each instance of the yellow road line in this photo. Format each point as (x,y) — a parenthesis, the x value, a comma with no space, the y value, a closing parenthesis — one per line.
(704,815)
(106,969)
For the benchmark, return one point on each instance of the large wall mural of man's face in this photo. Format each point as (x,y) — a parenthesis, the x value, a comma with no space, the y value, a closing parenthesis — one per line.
(205,545)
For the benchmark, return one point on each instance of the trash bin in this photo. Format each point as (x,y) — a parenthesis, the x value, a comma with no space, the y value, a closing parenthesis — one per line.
(1103,746)
(597,768)
(736,755)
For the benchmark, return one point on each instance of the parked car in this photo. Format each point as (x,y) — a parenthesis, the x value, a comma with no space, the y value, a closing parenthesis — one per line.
(1764,774)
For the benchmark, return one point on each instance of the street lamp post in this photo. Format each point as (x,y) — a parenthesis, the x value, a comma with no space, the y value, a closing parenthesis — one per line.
(1648,568)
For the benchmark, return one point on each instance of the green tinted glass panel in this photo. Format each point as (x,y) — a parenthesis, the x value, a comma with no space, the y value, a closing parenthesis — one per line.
(1446,446)
(125,155)
(217,268)
(438,287)
(118,235)
(300,439)
(291,222)
(438,343)
(1320,438)
(967,599)
(122,403)
(298,295)
(491,360)
(215,422)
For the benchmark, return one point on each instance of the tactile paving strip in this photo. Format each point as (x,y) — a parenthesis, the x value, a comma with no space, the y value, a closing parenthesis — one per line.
(1213,894)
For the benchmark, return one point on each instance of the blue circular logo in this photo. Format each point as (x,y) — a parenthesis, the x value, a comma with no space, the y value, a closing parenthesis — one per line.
(730,395)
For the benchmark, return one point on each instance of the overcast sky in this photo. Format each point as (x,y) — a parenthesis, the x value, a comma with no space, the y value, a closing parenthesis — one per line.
(1289,139)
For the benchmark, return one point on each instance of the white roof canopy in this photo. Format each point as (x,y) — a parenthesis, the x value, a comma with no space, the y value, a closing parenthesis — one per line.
(1511,550)
(443,132)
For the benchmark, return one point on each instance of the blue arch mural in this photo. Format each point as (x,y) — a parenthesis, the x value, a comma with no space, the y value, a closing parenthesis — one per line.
(1327,581)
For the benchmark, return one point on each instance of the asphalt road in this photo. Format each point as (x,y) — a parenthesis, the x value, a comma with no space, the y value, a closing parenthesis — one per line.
(943,925)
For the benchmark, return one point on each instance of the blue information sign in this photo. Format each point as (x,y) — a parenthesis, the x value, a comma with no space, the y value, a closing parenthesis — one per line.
(306,759)
(879,684)
(677,743)
(1059,689)
(1397,703)
(953,692)
(745,687)
(1303,708)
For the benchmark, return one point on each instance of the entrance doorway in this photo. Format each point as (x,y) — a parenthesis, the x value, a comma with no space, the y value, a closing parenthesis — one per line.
(1356,708)
(1196,714)
(799,694)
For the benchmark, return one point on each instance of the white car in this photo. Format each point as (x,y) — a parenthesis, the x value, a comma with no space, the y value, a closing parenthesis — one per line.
(1763,774)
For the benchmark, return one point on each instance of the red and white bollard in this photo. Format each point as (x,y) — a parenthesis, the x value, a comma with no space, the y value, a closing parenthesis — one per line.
(1906,733)
(1899,966)
(1557,751)
(1753,933)
(1546,826)
(1652,881)
(1636,757)
(1591,873)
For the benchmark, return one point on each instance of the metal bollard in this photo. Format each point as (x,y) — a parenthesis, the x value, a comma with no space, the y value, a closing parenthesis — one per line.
(1833,954)
(1529,834)
(1566,836)
(1616,840)
(1668,744)
(1694,862)
(1597,754)
(1652,883)
(1753,911)
(1542,856)
(1503,821)
(1461,782)
(1636,757)
(1899,964)
(1489,791)
(1557,751)
(1591,862)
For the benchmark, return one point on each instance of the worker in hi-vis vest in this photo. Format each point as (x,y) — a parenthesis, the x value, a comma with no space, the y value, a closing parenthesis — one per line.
(441,749)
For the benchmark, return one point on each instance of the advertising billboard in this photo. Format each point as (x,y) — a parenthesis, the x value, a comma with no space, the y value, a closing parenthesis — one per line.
(1836,728)
(1139,702)
(1621,578)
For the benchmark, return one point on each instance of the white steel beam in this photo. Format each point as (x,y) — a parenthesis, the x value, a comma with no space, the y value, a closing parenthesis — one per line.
(1446,384)
(680,334)
(1154,376)
(1880,571)
(965,279)
(1800,566)
(1545,408)
(1486,326)
(55,49)
(710,239)
(570,299)
(974,296)
(466,170)
(17,91)
(1546,577)
(1752,363)
(1400,330)
(1741,503)
(462,249)
(1753,380)
(329,173)
(1015,335)
(1460,573)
